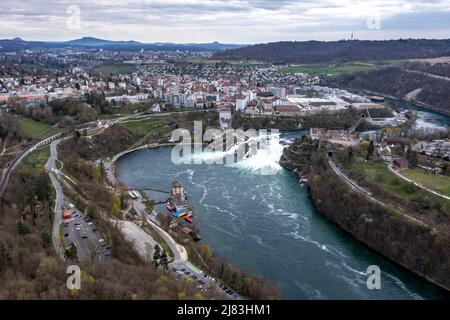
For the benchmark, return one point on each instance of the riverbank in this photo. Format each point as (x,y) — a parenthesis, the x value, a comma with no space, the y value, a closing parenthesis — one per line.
(245,283)
(417,247)
(414,103)
(109,164)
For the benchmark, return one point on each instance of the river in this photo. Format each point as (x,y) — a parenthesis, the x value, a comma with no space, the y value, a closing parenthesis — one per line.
(267,225)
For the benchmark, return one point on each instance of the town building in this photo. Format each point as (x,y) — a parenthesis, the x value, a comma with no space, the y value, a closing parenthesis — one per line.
(178,195)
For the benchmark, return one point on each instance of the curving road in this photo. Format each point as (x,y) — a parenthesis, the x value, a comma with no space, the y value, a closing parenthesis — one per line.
(367,193)
(398,174)
(50,167)
(7,172)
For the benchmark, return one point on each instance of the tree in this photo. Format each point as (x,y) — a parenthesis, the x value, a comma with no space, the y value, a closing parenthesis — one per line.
(22,229)
(115,208)
(156,255)
(76,134)
(444,168)
(411,156)
(42,187)
(370,149)
(163,260)
(198,296)
(46,239)
(349,155)
(71,251)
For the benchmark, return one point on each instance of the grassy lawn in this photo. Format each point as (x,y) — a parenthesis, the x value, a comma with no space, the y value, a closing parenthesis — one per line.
(116,69)
(36,129)
(37,159)
(328,69)
(435,182)
(378,172)
(62,239)
(147,125)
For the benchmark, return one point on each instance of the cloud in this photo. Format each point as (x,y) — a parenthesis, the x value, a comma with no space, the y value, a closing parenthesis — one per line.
(238,21)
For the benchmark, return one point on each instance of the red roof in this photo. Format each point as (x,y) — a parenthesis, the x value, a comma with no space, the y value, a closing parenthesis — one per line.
(186,230)
(67,214)
(287,108)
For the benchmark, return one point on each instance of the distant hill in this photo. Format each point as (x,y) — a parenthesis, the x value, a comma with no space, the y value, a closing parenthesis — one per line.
(17,44)
(338,51)
(89,41)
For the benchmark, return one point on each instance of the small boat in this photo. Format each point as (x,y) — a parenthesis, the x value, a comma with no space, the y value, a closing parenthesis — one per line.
(188,219)
(182,214)
(169,207)
(178,213)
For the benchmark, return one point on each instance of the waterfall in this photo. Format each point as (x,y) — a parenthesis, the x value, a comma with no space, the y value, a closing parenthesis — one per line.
(258,155)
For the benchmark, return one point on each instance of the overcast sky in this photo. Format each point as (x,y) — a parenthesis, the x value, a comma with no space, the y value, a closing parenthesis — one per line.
(234,21)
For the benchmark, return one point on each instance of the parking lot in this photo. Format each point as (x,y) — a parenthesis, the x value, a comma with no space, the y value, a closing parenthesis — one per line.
(204,281)
(83,233)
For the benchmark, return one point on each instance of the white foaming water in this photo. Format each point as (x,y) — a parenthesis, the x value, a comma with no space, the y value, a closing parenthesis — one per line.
(265,161)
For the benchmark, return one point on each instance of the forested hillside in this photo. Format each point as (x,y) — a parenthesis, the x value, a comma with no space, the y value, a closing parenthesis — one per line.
(336,51)
(399,82)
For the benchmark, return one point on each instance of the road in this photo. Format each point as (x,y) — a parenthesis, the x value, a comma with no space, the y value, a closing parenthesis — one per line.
(180,253)
(57,210)
(80,231)
(142,242)
(180,266)
(428,74)
(7,171)
(88,247)
(94,124)
(398,174)
(351,182)
(13,165)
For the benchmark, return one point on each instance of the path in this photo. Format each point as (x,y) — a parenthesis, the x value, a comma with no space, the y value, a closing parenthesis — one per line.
(398,174)
(367,193)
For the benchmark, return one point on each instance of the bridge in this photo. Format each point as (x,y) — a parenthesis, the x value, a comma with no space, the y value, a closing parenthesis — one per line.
(150,189)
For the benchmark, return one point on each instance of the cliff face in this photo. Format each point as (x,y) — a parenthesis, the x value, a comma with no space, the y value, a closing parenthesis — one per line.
(416,247)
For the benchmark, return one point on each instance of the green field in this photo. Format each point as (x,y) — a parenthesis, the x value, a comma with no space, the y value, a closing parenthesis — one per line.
(147,125)
(37,159)
(435,182)
(378,172)
(36,129)
(164,124)
(116,69)
(328,69)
